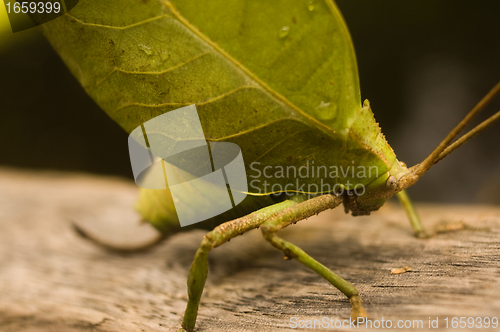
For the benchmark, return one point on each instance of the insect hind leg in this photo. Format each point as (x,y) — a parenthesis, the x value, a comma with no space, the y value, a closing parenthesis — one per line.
(218,236)
(291,216)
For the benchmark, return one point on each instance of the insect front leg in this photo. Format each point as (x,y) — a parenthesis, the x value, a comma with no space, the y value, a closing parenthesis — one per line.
(295,214)
(412,214)
(218,236)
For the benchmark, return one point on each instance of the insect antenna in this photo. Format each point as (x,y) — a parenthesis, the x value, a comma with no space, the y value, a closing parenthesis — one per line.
(473,132)
(445,148)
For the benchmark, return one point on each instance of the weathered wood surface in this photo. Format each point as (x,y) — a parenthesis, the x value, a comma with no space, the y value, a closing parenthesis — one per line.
(54,279)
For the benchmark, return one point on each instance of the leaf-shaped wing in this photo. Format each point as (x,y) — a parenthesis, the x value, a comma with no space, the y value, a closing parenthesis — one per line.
(278,78)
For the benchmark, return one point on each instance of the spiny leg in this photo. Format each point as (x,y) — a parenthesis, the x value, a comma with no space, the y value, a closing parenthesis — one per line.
(218,236)
(412,214)
(294,214)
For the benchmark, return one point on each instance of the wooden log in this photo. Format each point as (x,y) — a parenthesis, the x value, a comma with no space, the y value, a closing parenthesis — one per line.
(54,279)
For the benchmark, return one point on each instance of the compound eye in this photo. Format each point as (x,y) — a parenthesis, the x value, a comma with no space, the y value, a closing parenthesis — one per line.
(391,183)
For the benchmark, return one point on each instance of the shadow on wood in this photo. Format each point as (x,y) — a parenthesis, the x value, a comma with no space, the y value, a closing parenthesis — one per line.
(54,279)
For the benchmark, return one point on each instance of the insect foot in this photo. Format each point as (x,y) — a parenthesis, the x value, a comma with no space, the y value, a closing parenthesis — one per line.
(357,308)
(301,211)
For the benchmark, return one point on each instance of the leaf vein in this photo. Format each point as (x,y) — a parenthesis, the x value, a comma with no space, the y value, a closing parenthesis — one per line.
(117,28)
(277,144)
(224,95)
(238,65)
(244,132)
(196,57)
(116,69)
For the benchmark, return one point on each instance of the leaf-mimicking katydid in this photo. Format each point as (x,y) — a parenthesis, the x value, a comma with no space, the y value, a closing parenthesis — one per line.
(279,79)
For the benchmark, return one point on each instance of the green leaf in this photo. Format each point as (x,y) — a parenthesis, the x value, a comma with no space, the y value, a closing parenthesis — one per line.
(278,78)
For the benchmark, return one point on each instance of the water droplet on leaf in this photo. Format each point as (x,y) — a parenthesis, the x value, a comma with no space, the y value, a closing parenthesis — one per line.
(145,49)
(326,111)
(284,31)
(323,104)
(310,5)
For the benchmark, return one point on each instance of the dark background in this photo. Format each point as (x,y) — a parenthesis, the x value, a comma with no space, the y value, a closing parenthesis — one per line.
(423,65)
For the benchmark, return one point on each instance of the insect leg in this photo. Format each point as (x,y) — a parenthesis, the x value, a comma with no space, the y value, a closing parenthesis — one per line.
(218,236)
(415,222)
(294,214)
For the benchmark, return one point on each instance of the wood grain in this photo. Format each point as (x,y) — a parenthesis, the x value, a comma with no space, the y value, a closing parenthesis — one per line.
(54,279)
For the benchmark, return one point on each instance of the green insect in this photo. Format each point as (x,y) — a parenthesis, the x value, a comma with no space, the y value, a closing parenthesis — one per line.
(279,79)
